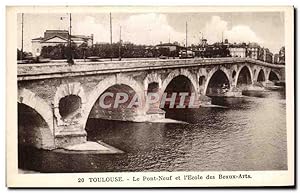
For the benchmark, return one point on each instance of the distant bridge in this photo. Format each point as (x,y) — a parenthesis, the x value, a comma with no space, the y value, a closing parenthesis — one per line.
(55,100)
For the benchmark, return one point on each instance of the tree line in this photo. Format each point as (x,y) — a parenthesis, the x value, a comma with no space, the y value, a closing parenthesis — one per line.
(105,50)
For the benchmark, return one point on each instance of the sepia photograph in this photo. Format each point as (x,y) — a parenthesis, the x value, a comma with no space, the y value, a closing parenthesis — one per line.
(167,91)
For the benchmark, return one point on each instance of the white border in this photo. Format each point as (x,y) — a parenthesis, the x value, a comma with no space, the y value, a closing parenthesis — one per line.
(269,177)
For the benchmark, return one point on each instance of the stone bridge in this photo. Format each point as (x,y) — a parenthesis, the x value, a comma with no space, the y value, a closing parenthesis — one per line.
(55,100)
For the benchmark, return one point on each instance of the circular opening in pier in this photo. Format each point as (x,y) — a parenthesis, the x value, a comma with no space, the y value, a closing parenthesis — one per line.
(233,74)
(201,80)
(69,106)
(153,87)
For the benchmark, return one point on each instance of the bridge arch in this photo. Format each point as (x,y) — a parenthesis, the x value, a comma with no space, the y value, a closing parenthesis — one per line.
(108,82)
(35,111)
(69,99)
(177,73)
(152,78)
(212,74)
(261,77)
(244,75)
(273,76)
(178,81)
(202,80)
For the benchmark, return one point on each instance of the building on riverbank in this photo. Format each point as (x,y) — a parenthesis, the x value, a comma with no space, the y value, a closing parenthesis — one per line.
(56,37)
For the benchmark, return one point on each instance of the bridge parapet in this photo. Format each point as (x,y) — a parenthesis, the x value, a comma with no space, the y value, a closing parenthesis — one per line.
(56,70)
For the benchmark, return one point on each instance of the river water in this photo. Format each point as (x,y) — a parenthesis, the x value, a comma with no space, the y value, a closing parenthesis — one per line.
(249,133)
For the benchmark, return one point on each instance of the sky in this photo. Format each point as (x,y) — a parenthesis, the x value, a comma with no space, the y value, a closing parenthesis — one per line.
(265,28)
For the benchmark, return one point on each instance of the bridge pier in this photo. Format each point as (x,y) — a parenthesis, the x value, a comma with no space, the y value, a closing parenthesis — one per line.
(154,111)
(204,100)
(231,92)
(70,135)
(234,92)
(153,95)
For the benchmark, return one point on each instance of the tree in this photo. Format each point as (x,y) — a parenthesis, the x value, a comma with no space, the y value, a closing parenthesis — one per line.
(25,54)
(54,52)
(82,50)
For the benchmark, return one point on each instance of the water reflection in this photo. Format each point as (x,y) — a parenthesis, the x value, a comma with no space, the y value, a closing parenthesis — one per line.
(246,135)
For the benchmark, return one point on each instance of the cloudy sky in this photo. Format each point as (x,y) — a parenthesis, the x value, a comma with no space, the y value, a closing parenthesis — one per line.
(265,28)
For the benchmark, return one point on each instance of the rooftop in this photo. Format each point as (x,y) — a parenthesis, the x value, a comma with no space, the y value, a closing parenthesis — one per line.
(63,34)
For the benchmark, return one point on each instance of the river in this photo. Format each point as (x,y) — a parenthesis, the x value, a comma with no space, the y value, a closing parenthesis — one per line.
(247,134)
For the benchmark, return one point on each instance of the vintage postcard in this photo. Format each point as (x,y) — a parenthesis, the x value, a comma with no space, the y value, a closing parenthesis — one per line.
(150,96)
